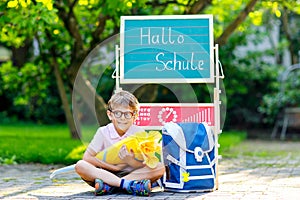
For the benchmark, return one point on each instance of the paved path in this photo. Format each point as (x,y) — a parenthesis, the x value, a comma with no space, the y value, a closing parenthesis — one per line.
(247,174)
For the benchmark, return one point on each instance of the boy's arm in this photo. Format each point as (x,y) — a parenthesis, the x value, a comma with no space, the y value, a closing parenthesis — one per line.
(89,156)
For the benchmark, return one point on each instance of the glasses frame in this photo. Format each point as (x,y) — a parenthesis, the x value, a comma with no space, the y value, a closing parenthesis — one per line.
(132,114)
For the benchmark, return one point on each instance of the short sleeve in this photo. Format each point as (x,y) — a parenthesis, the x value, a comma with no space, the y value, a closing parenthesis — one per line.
(97,143)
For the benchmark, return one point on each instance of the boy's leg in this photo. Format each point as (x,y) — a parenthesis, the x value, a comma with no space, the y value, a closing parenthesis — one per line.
(90,173)
(147,173)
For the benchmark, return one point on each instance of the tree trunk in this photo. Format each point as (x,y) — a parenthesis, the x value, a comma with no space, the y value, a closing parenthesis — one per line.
(20,54)
(65,103)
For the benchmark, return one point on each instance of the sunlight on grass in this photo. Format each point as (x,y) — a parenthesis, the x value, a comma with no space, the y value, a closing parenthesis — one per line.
(77,153)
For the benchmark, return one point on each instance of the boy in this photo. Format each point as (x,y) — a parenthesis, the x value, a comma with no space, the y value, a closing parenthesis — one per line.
(133,177)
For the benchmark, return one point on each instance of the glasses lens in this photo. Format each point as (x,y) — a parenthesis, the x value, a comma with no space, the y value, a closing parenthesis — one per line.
(117,114)
(128,115)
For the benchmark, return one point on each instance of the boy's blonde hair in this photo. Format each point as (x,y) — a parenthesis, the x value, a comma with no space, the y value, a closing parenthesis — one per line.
(123,98)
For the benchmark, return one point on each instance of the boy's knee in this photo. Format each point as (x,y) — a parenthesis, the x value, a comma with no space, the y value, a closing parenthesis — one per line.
(160,169)
(79,166)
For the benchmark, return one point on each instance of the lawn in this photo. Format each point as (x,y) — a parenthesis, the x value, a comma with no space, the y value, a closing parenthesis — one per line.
(230,139)
(23,143)
(52,144)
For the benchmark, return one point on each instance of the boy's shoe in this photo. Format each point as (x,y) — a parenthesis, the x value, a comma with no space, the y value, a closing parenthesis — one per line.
(139,187)
(102,188)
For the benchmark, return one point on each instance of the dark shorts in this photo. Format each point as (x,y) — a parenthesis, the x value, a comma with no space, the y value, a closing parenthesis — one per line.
(118,174)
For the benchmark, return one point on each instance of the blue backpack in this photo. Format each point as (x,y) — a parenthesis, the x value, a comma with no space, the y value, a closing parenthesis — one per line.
(189,157)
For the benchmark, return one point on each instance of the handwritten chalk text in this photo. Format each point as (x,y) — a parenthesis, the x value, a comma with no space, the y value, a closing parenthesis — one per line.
(178,64)
(165,37)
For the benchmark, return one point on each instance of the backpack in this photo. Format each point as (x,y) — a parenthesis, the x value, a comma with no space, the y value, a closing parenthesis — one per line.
(189,157)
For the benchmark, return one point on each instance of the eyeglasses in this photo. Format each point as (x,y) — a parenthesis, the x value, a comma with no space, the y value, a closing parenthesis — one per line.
(127,115)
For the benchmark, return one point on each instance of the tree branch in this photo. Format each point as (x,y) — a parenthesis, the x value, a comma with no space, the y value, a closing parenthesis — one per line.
(240,19)
(197,7)
(99,30)
(71,22)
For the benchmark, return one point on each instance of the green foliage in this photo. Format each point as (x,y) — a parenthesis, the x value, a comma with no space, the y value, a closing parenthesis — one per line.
(248,79)
(39,16)
(32,92)
(285,95)
(252,76)
(223,12)
(77,153)
(8,161)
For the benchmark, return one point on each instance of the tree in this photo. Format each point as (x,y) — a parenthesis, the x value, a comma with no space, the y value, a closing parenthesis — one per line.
(67,31)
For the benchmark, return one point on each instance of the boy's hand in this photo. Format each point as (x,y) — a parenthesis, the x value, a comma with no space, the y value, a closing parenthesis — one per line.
(126,156)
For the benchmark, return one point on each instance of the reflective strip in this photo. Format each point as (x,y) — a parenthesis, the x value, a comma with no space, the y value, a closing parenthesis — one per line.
(201,177)
(176,162)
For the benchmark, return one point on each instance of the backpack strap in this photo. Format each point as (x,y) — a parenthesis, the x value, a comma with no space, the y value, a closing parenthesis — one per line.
(175,131)
(175,161)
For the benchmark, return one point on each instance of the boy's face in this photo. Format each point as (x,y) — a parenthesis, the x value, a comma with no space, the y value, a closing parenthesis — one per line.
(122,118)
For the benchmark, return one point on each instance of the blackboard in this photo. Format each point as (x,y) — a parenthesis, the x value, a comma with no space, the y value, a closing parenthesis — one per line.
(166,49)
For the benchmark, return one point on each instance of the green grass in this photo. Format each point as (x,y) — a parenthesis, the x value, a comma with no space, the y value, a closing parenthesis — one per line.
(24,143)
(229,139)
(52,144)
